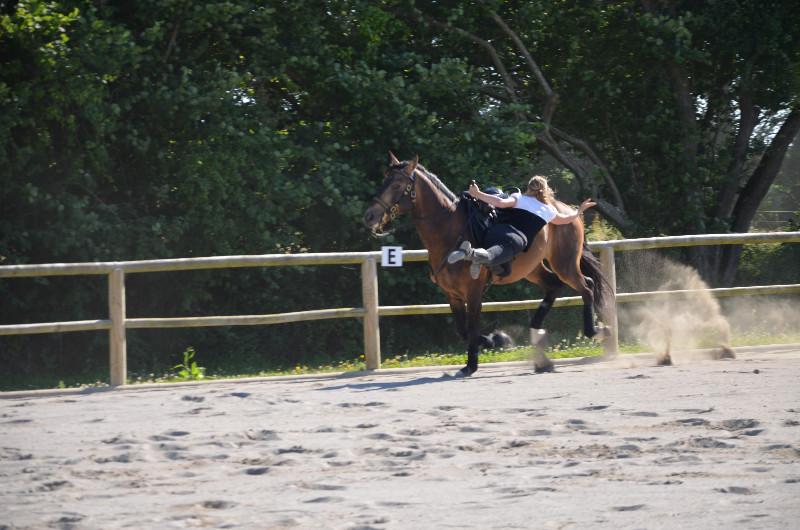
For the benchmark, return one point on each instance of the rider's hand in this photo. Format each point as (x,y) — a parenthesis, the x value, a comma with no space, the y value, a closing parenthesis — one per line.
(586,204)
(473,189)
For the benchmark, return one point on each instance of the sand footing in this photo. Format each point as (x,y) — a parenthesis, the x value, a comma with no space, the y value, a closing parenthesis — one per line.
(620,444)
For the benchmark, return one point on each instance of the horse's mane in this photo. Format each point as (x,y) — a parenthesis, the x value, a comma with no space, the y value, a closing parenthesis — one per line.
(438,184)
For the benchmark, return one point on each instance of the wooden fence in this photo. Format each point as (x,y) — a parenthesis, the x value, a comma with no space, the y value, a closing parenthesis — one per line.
(370,311)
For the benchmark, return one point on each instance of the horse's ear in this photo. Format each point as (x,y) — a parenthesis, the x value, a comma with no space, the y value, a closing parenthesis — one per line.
(413,165)
(393,159)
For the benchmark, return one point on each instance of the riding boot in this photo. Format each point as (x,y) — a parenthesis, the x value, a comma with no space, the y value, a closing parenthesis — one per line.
(464,251)
(479,257)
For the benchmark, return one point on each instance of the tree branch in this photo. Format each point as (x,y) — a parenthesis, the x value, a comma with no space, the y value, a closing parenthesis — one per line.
(172,41)
(552,97)
(585,148)
(755,190)
(764,175)
(508,81)
(683,98)
(747,123)
(686,112)
(615,214)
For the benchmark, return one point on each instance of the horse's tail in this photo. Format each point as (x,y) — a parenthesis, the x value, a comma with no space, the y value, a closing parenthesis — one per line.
(603,293)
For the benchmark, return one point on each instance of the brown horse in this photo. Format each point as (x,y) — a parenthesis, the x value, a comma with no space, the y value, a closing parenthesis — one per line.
(441,222)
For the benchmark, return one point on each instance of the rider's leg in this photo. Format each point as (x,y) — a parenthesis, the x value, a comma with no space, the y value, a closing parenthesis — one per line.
(500,259)
(510,243)
(503,243)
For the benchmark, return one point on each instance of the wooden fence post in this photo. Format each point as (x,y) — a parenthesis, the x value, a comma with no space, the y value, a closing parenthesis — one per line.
(372,334)
(118,357)
(611,344)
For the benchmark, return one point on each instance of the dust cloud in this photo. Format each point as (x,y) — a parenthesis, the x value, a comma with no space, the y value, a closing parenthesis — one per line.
(671,325)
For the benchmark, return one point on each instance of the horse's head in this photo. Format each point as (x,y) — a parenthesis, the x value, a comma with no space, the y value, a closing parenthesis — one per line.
(395,196)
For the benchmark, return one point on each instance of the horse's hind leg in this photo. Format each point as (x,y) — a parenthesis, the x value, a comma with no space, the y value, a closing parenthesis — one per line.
(571,275)
(541,363)
(551,285)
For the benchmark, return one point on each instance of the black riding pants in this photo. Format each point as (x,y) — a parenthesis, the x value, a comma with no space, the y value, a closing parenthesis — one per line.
(503,242)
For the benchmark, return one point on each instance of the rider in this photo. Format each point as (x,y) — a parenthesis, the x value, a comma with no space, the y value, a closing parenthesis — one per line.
(523,216)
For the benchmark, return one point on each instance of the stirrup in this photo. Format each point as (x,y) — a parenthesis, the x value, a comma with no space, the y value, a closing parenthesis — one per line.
(502,270)
(475,270)
(462,252)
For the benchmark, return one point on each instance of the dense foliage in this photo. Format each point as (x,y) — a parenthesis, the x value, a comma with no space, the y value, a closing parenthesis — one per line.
(173,128)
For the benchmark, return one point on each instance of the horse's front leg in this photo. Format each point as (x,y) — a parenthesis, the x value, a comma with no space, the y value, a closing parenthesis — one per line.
(474,338)
(465,327)
(459,310)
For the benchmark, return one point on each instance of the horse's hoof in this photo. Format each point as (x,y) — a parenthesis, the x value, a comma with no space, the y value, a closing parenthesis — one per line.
(544,368)
(664,360)
(603,334)
(464,372)
(500,340)
(725,353)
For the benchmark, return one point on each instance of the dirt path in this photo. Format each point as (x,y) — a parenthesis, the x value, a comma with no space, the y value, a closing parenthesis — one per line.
(699,445)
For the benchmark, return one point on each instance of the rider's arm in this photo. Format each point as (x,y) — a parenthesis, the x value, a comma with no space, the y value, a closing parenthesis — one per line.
(494,200)
(567,218)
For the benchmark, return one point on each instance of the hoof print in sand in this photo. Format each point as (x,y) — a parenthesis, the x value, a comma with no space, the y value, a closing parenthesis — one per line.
(262,435)
(692,422)
(736,490)
(631,508)
(738,424)
(256,471)
(217,505)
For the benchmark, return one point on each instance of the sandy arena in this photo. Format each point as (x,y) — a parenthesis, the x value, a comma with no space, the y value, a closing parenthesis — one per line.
(702,444)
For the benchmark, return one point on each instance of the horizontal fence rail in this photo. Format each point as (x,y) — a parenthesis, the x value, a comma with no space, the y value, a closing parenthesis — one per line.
(370,312)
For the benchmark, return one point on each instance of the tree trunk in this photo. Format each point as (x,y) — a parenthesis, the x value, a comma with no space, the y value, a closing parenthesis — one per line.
(754,192)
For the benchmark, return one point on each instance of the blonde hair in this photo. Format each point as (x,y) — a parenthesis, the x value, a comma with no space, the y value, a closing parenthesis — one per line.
(539,188)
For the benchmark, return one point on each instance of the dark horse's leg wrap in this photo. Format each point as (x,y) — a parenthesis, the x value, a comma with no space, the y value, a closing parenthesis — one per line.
(588,321)
(542,310)
(472,357)
(552,285)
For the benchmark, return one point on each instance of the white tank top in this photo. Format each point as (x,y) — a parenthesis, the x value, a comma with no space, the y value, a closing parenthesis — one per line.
(535,206)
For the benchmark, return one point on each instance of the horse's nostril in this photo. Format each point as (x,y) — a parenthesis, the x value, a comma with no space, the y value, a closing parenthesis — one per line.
(369,218)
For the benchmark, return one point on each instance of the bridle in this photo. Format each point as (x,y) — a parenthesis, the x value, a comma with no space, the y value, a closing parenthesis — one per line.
(393,210)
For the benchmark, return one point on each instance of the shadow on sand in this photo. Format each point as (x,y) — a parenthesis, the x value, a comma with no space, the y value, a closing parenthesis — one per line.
(392,385)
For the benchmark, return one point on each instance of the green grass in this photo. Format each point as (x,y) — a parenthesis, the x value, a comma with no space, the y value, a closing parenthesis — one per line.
(580,347)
